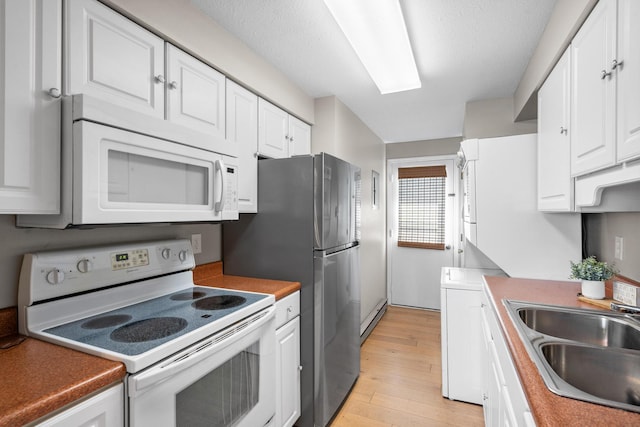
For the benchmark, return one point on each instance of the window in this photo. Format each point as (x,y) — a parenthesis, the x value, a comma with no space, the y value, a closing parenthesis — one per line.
(421,207)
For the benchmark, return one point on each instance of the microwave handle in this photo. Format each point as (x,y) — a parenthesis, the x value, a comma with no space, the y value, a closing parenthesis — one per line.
(219,205)
(139,382)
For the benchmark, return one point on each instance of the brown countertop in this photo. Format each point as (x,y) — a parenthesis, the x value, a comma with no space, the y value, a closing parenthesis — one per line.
(38,378)
(547,408)
(211,275)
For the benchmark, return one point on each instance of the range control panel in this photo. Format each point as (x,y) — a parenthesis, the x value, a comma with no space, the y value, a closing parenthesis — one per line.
(54,274)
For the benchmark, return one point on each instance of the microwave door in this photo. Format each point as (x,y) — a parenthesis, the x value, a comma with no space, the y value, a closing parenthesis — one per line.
(124,177)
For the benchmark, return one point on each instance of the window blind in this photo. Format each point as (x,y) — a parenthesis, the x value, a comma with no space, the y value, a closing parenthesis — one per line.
(421,207)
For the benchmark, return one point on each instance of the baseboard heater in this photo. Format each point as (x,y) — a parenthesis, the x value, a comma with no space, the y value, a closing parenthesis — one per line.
(372,320)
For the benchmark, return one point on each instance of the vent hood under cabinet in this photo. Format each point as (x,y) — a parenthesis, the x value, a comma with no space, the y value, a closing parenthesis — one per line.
(616,189)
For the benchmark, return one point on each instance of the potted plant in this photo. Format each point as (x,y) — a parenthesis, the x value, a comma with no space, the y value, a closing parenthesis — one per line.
(592,273)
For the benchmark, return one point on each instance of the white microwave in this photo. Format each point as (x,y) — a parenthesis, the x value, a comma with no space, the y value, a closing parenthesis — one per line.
(122,167)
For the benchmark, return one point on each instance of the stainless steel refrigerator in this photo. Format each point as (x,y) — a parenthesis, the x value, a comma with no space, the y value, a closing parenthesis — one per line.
(307,230)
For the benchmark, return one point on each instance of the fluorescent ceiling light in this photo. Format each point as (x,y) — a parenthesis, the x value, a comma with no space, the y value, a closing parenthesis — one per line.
(377,32)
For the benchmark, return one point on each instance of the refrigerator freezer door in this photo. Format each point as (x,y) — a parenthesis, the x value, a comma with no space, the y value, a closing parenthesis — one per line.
(337,329)
(335,196)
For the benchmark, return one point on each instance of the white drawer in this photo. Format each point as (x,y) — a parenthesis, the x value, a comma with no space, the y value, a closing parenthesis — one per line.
(287,308)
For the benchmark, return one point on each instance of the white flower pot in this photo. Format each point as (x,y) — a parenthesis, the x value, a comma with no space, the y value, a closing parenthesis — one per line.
(593,289)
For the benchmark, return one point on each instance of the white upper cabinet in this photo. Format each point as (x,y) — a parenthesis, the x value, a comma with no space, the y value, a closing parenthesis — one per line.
(195,93)
(280,134)
(242,131)
(299,137)
(555,185)
(593,91)
(30,84)
(273,128)
(111,58)
(628,75)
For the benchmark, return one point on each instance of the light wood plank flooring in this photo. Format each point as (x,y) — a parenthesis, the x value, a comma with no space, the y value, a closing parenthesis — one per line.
(400,377)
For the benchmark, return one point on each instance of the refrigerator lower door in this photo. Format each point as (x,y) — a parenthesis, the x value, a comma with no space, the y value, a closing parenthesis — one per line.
(337,329)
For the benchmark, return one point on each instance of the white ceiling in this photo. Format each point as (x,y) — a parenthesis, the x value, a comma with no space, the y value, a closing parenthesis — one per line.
(466,50)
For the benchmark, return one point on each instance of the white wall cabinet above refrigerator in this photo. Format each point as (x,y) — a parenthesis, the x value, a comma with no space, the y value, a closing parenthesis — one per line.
(555,185)
(281,135)
(31,85)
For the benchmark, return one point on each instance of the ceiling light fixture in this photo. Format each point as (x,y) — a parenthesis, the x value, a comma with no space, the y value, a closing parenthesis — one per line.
(377,32)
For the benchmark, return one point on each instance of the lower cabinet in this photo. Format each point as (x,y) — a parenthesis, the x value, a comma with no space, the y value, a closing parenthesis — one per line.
(105,409)
(503,398)
(288,360)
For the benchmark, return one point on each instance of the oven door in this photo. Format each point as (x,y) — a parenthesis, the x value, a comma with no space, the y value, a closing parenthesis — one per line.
(126,177)
(225,380)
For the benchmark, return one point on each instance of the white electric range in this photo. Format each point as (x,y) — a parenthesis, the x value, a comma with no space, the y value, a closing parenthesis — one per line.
(181,343)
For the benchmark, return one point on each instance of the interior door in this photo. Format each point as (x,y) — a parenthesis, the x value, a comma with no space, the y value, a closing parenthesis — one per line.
(422,226)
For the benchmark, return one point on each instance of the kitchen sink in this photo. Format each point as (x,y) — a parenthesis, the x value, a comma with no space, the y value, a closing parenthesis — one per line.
(584,354)
(586,327)
(608,375)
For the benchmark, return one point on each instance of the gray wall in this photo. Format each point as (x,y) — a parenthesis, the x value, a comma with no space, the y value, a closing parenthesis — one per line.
(341,133)
(433,147)
(18,241)
(493,118)
(601,230)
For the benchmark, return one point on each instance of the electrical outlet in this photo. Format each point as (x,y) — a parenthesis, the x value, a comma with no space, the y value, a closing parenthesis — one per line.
(196,243)
(619,248)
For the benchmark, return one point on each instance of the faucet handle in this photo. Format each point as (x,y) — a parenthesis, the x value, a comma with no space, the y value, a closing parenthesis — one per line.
(623,308)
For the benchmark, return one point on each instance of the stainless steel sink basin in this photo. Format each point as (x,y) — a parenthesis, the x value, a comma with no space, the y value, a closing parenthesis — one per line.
(590,355)
(583,326)
(596,371)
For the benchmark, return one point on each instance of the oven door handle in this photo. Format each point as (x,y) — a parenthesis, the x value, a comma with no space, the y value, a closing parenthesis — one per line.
(198,352)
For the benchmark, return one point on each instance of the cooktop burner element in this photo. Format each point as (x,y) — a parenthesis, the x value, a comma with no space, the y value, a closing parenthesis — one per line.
(106,321)
(219,302)
(149,329)
(189,295)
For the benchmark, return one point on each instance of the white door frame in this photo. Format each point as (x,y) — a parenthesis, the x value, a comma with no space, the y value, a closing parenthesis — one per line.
(458,240)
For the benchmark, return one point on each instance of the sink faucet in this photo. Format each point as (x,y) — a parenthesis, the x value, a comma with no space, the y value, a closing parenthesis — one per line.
(623,308)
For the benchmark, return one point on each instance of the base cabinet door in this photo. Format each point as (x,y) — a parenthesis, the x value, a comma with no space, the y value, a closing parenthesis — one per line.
(30,40)
(288,373)
(105,409)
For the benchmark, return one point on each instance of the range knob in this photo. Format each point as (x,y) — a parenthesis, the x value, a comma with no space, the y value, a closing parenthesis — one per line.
(84,265)
(166,253)
(55,276)
(182,255)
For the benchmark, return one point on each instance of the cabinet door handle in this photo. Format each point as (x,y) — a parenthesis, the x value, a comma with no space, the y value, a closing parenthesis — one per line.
(173,85)
(159,78)
(615,64)
(563,130)
(604,74)
(54,92)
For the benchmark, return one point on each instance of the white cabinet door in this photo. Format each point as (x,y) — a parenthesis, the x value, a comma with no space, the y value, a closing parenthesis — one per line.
(195,94)
(299,137)
(242,131)
(593,90)
(628,76)
(30,84)
(112,58)
(273,128)
(288,373)
(555,185)
(105,409)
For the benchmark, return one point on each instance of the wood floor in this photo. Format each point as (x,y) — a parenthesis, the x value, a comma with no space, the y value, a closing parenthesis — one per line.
(400,377)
